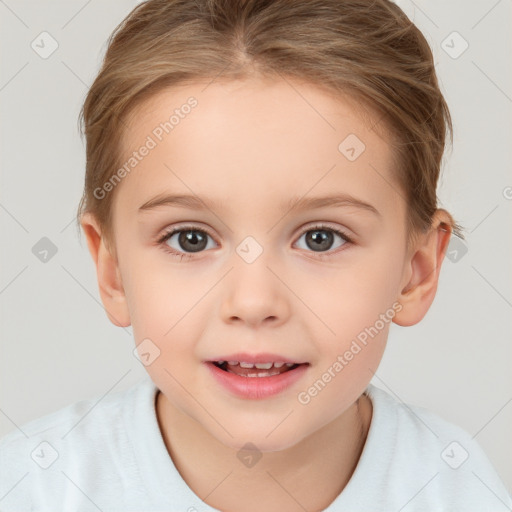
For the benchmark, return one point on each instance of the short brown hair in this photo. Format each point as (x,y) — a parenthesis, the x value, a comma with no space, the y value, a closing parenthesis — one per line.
(365,50)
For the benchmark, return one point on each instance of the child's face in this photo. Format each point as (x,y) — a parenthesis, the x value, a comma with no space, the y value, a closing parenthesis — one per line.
(251,149)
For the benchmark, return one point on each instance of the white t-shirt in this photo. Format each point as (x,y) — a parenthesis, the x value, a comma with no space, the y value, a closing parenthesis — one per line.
(109,455)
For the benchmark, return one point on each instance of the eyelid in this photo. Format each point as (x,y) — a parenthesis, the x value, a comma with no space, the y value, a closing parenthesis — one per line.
(303,229)
(311,226)
(184,227)
(347,235)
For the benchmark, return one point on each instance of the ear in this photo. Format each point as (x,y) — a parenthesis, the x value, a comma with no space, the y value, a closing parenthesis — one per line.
(108,274)
(422,271)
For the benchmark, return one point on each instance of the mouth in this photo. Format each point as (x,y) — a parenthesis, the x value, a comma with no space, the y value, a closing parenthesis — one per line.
(256,370)
(261,377)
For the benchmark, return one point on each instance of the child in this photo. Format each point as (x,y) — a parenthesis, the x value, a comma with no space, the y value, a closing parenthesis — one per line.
(254,131)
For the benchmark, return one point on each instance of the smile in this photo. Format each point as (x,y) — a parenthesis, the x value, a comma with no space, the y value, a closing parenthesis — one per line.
(256,380)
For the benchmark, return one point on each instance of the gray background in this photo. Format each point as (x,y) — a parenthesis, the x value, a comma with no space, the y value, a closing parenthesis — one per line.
(57,344)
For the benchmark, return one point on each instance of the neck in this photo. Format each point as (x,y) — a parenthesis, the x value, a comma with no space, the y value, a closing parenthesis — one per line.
(283,480)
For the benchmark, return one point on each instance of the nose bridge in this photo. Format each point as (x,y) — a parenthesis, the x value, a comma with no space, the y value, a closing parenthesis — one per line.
(253,292)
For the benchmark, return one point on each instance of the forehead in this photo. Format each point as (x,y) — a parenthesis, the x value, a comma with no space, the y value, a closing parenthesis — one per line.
(254,141)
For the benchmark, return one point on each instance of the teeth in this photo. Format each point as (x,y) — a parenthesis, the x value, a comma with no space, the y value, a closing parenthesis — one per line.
(259,366)
(263,366)
(259,374)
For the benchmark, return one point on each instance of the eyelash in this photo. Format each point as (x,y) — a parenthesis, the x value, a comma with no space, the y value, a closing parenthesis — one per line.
(319,227)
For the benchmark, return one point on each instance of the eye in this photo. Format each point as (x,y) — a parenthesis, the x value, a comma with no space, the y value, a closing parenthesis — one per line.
(189,240)
(320,238)
(184,241)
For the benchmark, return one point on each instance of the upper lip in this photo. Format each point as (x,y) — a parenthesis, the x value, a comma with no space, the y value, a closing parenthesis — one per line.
(264,357)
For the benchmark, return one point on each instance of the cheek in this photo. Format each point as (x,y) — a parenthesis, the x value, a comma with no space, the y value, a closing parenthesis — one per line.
(353,296)
(169,307)
(159,294)
(357,304)
(346,367)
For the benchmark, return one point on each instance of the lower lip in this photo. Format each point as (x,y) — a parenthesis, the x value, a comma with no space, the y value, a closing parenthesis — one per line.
(257,387)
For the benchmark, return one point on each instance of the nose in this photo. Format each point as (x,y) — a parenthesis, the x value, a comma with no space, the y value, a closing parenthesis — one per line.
(254,295)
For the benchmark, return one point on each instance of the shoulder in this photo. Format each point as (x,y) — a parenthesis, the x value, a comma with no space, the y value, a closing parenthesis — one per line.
(76,418)
(41,457)
(434,462)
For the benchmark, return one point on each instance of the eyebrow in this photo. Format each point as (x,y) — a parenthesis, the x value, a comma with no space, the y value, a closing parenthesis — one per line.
(295,204)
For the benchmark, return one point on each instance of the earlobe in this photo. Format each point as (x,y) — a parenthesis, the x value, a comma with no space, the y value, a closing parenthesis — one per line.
(108,275)
(423,270)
